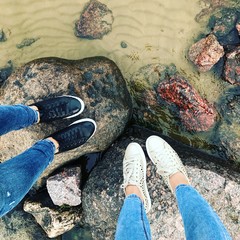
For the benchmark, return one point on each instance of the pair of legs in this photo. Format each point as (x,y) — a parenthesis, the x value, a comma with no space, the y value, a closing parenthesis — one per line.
(18,174)
(200,220)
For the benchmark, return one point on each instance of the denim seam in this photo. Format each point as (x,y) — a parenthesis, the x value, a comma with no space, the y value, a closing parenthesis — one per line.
(144,226)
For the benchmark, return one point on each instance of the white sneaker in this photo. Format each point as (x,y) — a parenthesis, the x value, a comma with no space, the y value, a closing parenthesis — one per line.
(165,158)
(134,171)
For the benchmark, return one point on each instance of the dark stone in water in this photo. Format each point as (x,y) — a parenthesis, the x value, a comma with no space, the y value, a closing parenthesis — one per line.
(5,72)
(195,113)
(229,130)
(26,42)
(2,36)
(95,21)
(224,26)
(232,67)
(124,44)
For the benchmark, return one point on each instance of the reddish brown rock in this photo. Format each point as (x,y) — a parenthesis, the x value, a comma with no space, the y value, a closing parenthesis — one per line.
(95,21)
(232,67)
(206,52)
(195,113)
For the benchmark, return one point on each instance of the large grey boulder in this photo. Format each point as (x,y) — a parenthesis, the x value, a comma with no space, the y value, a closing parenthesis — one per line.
(103,196)
(98,81)
(21,226)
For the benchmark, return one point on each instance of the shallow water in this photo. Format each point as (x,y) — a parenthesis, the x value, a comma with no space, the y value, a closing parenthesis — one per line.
(152,31)
(144,32)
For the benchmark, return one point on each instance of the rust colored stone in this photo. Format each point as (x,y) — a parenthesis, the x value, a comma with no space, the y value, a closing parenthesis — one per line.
(195,112)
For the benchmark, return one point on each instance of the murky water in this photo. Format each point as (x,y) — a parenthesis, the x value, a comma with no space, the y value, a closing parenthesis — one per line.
(143,32)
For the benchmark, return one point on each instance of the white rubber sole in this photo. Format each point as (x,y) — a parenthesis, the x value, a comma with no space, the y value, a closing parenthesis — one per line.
(81,102)
(86,120)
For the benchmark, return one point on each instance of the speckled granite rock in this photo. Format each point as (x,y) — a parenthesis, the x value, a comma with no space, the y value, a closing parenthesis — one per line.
(95,21)
(64,187)
(19,225)
(98,81)
(103,197)
(206,53)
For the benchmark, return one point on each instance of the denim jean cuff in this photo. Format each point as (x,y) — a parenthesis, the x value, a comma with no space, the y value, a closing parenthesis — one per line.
(47,146)
(182,186)
(32,114)
(134,196)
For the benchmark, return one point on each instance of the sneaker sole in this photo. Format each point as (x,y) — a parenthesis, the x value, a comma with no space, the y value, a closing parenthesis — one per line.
(86,120)
(145,189)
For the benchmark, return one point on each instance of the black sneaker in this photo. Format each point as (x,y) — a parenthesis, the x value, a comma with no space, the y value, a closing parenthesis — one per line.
(65,106)
(75,134)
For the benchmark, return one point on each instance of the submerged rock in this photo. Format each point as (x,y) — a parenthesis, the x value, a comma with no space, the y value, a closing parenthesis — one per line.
(229,130)
(223,26)
(64,187)
(26,42)
(95,21)
(5,72)
(196,113)
(97,81)
(2,36)
(206,53)
(232,67)
(103,196)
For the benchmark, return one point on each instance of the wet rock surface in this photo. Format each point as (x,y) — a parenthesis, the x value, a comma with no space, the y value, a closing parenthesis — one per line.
(224,26)
(229,129)
(97,81)
(232,67)
(195,113)
(103,197)
(5,72)
(206,53)
(22,226)
(64,187)
(95,21)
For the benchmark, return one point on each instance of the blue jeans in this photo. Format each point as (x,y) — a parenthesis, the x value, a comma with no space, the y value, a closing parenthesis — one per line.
(18,174)
(200,220)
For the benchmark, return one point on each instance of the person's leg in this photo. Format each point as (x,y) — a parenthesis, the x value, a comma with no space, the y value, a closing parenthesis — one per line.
(200,220)
(16,117)
(132,222)
(18,174)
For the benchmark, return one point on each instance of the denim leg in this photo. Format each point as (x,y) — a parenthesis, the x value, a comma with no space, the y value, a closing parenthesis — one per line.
(16,117)
(200,221)
(18,174)
(132,222)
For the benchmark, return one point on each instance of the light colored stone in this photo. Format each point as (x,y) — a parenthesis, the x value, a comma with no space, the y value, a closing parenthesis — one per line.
(64,187)
(53,221)
(206,52)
